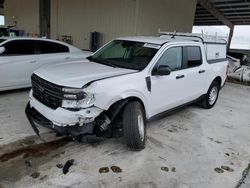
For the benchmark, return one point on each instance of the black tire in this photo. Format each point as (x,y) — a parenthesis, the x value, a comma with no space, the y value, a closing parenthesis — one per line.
(206,102)
(133,138)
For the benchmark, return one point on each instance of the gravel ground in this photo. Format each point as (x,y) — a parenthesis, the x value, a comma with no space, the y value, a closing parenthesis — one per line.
(190,148)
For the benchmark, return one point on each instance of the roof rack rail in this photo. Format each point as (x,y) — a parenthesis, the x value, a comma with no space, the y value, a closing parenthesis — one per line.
(195,37)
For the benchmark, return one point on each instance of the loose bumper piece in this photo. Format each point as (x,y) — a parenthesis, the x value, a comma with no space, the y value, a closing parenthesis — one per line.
(36,119)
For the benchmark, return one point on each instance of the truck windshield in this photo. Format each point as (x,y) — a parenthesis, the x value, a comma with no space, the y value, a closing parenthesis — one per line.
(126,54)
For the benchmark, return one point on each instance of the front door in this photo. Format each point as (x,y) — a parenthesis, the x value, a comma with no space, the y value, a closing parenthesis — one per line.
(168,91)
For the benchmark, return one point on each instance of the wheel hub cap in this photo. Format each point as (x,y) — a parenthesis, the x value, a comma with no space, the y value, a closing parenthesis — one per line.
(213,95)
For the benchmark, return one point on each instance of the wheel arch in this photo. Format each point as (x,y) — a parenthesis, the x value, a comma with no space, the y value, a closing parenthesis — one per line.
(118,105)
(218,79)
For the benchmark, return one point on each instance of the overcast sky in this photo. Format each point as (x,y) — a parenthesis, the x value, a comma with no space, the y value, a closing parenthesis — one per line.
(1,20)
(241,38)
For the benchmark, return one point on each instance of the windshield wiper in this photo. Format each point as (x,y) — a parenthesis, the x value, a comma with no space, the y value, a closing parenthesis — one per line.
(90,58)
(102,61)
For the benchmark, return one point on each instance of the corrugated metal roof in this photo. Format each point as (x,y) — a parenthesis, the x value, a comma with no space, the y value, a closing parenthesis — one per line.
(236,11)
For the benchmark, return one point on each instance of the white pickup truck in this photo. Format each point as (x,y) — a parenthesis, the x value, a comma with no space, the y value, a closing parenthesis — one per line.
(125,83)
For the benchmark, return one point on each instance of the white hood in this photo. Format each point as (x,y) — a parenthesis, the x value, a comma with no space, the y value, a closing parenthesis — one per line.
(77,74)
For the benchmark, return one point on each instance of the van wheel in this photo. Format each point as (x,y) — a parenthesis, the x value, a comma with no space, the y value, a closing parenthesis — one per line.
(212,95)
(134,125)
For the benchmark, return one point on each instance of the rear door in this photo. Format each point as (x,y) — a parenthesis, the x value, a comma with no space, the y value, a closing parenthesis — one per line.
(17,63)
(52,52)
(195,72)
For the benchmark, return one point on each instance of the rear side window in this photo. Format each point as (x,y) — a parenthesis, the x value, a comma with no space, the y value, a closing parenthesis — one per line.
(47,47)
(193,56)
(19,47)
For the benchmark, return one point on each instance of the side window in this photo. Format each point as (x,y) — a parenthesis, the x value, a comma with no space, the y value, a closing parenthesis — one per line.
(194,58)
(172,57)
(19,47)
(47,47)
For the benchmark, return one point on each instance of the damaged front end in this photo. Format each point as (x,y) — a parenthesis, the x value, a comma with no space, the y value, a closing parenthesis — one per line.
(79,130)
(68,111)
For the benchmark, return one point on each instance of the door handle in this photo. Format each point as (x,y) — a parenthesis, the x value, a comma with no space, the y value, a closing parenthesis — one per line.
(67,58)
(202,71)
(33,61)
(180,77)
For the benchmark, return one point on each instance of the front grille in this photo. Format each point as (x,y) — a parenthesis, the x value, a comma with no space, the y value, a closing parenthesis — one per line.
(46,92)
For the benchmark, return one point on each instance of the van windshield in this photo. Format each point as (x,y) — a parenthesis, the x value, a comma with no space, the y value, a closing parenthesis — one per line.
(126,54)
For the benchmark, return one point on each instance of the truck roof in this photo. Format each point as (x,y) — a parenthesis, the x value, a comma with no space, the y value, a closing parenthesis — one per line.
(165,37)
(152,40)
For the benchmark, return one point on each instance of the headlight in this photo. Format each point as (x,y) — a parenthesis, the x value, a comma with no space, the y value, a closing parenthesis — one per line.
(72,90)
(86,102)
(73,94)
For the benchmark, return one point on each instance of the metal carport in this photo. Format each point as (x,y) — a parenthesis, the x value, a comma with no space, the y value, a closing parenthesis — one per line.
(221,12)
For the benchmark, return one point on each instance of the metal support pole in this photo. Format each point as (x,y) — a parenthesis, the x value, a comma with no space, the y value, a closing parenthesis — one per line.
(230,37)
(44,18)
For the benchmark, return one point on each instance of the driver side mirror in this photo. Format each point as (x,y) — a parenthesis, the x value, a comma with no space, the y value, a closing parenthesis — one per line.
(2,50)
(162,70)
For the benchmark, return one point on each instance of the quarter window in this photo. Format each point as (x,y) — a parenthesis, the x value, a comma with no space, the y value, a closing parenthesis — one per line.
(172,58)
(47,47)
(193,56)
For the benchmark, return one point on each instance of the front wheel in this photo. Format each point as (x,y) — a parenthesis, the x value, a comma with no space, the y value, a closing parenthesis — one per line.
(134,125)
(212,95)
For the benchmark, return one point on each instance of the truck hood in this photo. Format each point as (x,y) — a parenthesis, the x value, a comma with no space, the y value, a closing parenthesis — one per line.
(78,73)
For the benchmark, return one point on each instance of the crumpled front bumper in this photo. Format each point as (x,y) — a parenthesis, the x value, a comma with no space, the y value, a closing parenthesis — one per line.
(61,120)
(63,117)
(36,119)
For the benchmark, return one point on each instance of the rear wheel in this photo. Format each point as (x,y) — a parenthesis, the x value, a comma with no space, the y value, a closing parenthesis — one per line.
(134,125)
(212,95)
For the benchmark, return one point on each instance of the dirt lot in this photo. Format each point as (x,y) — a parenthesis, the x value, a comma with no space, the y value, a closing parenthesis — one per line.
(190,148)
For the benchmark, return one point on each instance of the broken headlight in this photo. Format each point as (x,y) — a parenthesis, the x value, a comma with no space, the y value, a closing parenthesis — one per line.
(73,94)
(77,99)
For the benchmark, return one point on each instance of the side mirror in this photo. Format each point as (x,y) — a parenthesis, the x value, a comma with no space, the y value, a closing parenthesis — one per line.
(162,70)
(2,50)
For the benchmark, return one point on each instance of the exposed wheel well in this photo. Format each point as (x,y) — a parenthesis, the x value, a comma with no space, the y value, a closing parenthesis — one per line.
(136,99)
(218,80)
(118,106)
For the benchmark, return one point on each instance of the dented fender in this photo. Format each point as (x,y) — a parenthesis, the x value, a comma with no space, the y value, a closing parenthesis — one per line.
(122,97)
